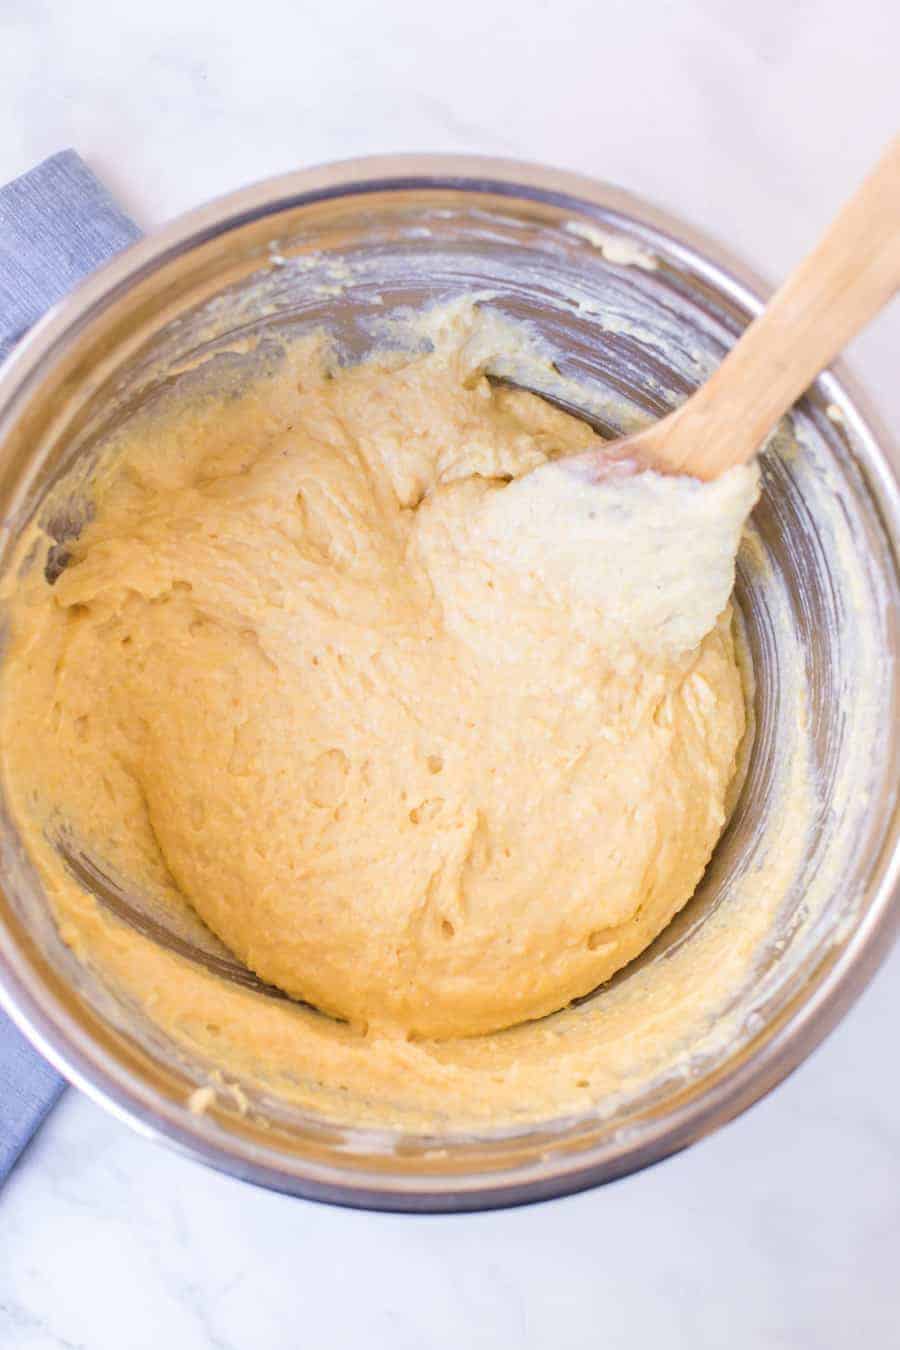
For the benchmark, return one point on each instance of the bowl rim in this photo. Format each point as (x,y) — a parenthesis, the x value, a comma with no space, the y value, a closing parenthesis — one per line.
(777,1049)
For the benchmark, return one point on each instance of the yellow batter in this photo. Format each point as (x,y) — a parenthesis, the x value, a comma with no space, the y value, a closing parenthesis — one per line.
(433,733)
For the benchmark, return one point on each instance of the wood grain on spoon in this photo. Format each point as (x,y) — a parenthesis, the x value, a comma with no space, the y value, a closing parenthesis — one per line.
(834,293)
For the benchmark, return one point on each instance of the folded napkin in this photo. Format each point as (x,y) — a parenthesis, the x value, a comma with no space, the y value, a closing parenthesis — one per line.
(57,224)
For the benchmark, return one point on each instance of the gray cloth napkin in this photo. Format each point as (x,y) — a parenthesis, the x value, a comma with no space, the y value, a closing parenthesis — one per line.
(57,224)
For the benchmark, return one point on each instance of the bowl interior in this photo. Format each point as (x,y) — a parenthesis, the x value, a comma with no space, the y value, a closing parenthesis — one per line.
(632,320)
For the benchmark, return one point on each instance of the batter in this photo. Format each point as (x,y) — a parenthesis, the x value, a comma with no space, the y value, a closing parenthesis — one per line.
(432,732)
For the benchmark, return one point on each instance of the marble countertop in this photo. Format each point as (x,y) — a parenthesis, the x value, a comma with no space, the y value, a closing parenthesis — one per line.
(784,1229)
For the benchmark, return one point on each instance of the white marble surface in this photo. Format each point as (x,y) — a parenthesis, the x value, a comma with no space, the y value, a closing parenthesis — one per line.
(754,121)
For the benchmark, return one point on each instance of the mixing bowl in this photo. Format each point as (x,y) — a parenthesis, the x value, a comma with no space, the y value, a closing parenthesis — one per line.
(634,310)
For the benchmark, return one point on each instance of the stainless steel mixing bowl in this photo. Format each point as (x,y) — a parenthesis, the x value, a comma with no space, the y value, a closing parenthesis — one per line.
(347,244)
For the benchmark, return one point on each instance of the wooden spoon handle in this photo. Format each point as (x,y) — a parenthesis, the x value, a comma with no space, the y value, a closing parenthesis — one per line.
(834,292)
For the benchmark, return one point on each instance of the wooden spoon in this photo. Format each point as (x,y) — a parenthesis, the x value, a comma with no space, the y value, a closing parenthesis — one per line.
(834,293)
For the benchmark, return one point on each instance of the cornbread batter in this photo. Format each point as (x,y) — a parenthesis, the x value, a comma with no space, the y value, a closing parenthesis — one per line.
(431,731)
